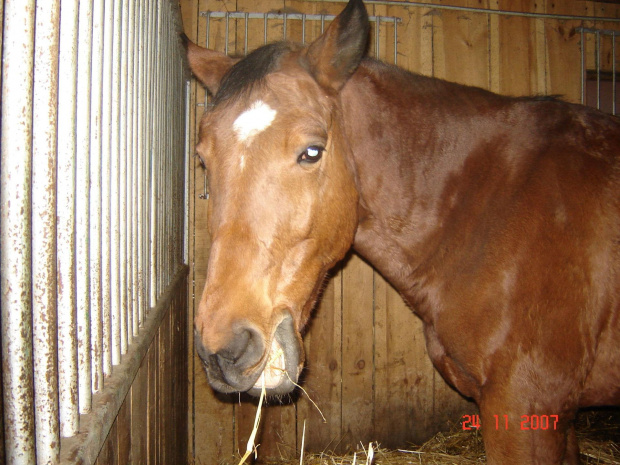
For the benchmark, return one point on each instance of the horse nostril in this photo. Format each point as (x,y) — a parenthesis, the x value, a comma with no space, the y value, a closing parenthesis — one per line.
(237,347)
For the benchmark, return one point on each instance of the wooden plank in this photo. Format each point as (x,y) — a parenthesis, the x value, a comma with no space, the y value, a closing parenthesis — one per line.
(404,375)
(515,69)
(123,431)
(415,38)
(461,45)
(108,454)
(322,378)
(139,423)
(152,435)
(563,52)
(357,353)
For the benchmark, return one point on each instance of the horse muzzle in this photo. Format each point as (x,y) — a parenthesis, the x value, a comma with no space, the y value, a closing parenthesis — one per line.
(245,364)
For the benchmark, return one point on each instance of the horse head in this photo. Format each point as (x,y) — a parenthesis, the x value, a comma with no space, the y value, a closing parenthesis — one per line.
(283,206)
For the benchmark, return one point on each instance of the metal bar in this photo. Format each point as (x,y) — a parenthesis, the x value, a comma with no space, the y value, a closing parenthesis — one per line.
(286,16)
(82,204)
(44,321)
(598,71)
(395,42)
(583,67)
(135,77)
(122,180)
(408,4)
(227,16)
(303,28)
(115,297)
(245,35)
(188,158)
(67,94)
(95,196)
(106,180)
(155,156)
(141,156)
(613,74)
(15,234)
(377,38)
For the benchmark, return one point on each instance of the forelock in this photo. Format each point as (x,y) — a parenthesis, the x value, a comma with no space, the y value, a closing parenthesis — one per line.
(251,71)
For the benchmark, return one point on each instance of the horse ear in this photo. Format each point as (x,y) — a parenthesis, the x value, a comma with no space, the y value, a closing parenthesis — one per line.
(336,54)
(208,66)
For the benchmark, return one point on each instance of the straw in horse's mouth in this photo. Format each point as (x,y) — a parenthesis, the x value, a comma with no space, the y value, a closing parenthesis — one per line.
(275,368)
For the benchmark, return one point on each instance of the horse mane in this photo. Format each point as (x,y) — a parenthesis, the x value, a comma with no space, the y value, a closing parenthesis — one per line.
(251,71)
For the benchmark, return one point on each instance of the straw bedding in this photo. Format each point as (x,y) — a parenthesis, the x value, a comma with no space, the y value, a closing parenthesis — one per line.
(598,433)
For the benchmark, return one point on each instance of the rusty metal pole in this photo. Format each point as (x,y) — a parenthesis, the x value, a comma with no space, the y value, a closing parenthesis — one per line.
(44,319)
(15,232)
(67,344)
(82,205)
(95,197)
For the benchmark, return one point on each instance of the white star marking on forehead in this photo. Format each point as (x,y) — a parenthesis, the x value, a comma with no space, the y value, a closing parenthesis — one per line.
(253,121)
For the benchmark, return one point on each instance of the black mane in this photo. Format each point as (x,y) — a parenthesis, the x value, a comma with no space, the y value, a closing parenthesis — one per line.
(251,70)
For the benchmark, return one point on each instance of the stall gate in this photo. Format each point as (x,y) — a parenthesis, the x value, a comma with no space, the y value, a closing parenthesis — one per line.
(93,275)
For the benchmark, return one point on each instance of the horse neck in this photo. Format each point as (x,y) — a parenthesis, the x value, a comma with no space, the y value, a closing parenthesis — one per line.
(409,138)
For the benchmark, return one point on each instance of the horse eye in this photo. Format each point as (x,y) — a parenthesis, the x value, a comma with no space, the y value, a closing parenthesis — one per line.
(311,155)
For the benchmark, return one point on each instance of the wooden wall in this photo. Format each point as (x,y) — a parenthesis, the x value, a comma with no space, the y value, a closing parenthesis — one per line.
(367,367)
(151,426)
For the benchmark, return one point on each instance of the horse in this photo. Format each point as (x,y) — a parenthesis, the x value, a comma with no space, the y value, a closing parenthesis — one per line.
(493,216)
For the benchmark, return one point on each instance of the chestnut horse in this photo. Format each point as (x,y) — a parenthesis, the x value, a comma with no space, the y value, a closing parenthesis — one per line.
(492,216)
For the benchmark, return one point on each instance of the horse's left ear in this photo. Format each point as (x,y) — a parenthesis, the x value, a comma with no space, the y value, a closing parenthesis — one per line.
(336,54)
(207,65)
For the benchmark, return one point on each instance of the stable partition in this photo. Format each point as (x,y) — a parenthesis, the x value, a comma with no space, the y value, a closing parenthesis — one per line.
(92,225)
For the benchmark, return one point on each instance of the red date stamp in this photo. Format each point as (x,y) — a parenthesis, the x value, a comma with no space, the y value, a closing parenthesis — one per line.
(527,422)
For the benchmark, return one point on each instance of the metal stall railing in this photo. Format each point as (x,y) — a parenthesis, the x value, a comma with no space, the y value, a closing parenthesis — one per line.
(92,204)
(599,80)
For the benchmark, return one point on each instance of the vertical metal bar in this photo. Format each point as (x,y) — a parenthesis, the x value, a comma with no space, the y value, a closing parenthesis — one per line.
(95,197)
(188,157)
(245,34)
(44,319)
(322,24)
(303,28)
(115,172)
(613,72)
(106,186)
(15,235)
(395,40)
(377,37)
(136,54)
(583,68)
(122,180)
(155,157)
(284,26)
(67,94)
(150,154)
(82,203)
(598,70)
(141,155)
(265,16)
(227,37)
